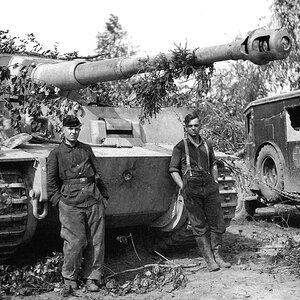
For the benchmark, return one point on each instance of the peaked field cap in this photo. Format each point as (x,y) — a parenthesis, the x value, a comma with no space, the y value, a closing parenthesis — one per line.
(71,121)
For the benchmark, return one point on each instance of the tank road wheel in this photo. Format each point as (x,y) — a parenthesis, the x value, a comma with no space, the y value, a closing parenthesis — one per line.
(269,169)
(13,212)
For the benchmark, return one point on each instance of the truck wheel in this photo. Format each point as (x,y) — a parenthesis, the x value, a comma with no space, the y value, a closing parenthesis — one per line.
(269,169)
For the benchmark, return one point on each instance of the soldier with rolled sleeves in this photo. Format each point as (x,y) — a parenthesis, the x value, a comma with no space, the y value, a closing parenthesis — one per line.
(75,185)
(193,168)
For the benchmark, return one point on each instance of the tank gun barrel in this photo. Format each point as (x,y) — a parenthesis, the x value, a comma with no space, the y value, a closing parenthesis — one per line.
(259,46)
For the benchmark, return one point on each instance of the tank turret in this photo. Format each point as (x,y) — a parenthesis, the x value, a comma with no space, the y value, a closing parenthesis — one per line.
(134,157)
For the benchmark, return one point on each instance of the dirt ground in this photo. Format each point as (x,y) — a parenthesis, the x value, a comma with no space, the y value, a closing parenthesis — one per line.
(256,273)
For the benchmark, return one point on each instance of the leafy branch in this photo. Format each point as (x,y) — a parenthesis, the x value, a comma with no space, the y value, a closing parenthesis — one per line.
(25,99)
(159,85)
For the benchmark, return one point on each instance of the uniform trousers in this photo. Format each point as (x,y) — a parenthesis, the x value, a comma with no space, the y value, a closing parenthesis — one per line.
(82,229)
(203,204)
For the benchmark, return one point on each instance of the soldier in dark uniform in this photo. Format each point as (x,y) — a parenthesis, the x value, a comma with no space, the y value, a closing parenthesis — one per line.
(75,185)
(193,168)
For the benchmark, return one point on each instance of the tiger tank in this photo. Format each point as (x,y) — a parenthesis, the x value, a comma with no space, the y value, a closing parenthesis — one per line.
(134,155)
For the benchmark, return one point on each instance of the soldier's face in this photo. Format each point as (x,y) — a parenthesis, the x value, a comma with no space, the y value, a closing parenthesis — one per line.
(193,127)
(71,133)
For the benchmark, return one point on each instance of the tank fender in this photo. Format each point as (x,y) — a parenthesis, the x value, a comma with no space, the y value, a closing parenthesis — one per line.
(38,193)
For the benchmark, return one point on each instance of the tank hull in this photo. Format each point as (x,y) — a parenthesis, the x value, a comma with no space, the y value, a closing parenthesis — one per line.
(134,166)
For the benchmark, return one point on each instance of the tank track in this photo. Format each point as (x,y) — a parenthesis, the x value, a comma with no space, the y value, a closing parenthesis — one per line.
(228,192)
(13,212)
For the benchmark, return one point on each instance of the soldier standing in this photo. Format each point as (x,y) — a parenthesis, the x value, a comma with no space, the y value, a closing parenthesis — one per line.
(75,185)
(193,168)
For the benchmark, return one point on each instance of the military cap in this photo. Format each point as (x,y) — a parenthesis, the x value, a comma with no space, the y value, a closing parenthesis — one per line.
(71,121)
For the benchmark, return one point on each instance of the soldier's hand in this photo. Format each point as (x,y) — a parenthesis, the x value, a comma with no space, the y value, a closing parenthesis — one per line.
(105,202)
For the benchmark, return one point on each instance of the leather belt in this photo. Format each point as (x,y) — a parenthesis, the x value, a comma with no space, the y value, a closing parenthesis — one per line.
(82,180)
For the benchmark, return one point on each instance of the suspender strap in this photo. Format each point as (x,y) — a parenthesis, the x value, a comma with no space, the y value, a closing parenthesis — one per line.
(187,156)
(207,151)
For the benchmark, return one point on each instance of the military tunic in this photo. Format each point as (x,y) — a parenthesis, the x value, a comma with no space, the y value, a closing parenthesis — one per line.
(76,186)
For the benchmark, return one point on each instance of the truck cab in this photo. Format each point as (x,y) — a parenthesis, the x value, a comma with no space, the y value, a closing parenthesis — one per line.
(273,148)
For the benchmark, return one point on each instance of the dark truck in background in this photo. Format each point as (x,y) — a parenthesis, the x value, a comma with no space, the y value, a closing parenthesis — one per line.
(273,151)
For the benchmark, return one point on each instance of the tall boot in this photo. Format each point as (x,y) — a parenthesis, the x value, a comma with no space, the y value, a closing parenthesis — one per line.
(216,245)
(205,248)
